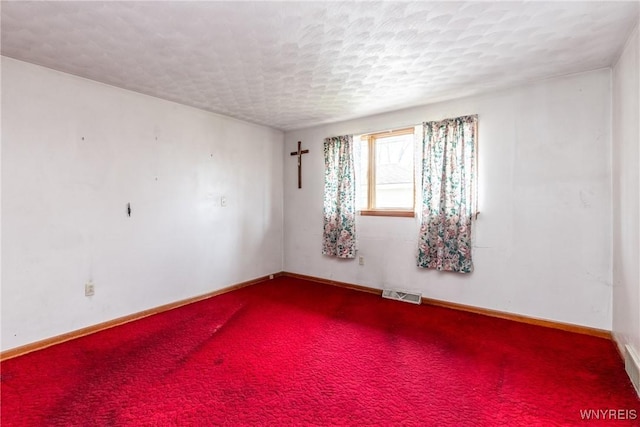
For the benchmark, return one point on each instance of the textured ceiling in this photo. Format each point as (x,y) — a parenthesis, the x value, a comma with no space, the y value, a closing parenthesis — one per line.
(295,64)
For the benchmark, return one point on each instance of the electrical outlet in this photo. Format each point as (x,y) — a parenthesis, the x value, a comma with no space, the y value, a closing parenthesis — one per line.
(89,289)
(361,260)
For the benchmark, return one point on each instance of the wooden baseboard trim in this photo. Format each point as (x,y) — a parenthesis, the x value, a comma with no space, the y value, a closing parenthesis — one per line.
(48,342)
(569,327)
(585,330)
(333,283)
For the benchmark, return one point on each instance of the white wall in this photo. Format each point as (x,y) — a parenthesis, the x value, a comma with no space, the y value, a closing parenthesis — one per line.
(75,152)
(626,195)
(543,238)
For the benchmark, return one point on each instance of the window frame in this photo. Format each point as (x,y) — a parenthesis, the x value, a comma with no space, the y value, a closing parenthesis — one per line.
(371,210)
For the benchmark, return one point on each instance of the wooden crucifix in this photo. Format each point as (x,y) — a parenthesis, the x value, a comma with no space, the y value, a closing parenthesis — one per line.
(299,153)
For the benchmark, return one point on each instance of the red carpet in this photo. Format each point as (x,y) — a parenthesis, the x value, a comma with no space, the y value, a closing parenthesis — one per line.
(290,352)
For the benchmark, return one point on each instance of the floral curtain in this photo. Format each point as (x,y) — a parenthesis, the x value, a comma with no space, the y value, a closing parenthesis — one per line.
(339,237)
(448,194)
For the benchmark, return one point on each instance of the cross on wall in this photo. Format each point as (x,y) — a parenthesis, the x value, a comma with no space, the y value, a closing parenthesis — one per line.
(299,153)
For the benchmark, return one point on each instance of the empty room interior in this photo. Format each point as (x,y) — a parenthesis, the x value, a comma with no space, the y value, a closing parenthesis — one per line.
(203,205)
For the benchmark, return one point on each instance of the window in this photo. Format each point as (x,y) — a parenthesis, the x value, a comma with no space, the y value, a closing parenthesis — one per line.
(387,173)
